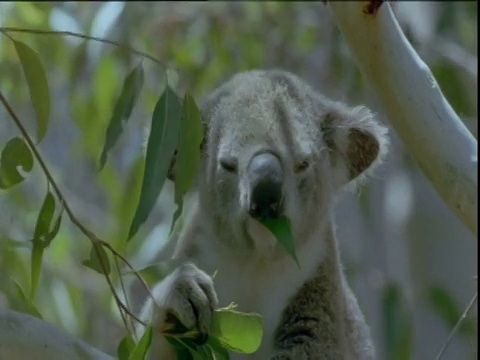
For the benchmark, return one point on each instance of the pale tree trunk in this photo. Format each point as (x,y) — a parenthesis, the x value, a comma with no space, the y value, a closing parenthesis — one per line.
(24,337)
(424,120)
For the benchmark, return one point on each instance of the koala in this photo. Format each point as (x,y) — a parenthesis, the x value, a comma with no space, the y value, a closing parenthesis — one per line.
(273,147)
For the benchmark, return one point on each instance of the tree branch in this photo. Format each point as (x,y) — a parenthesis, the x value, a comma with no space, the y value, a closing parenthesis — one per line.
(430,129)
(457,326)
(7,30)
(25,337)
(90,235)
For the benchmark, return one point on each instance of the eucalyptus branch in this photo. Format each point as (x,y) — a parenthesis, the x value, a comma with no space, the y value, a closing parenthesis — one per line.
(457,326)
(8,29)
(125,261)
(89,234)
(122,285)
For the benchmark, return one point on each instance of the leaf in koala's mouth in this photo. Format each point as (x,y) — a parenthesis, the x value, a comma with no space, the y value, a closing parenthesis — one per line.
(281,229)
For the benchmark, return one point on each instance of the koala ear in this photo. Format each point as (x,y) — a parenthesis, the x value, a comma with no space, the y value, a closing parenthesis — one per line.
(356,142)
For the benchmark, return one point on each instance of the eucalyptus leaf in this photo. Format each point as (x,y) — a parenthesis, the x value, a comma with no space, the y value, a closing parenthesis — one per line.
(125,347)
(130,198)
(37,85)
(203,352)
(95,263)
(153,273)
(15,154)
(282,231)
(122,110)
(42,228)
(446,307)
(51,235)
(162,142)
(188,152)
(237,331)
(217,349)
(44,219)
(141,348)
(182,350)
(398,323)
(25,304)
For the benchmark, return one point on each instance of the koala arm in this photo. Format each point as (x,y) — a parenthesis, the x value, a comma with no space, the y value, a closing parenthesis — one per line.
(310,328)
(187,294)
(323,321)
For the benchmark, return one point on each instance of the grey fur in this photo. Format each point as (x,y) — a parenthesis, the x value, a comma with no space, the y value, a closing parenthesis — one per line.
(309,313)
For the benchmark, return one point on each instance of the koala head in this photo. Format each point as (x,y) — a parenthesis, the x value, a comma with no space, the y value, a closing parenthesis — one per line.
(274,148)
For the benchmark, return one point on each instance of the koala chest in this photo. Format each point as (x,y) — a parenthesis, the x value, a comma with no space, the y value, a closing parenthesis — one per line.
(261,287)
(262,293)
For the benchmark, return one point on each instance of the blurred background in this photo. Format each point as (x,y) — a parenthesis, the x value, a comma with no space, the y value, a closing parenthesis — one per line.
(410,261)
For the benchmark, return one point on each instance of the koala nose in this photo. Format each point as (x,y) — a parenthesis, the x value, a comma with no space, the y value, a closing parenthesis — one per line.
(266,183)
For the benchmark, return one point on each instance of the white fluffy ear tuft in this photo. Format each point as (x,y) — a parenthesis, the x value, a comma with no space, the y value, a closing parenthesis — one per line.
(356,141)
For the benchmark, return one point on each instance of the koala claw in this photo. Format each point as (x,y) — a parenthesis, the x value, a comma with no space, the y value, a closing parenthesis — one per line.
(188,294)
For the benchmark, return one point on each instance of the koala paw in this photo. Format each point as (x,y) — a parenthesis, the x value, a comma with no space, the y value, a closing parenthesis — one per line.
(187,294)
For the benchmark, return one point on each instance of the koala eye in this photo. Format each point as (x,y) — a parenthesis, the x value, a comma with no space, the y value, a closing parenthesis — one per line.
(301,166)
(229,165)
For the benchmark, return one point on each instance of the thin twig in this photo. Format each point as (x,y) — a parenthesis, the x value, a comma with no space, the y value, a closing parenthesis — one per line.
(7,29)
(457,326)
(122,313)
(125,261)
(122,285)
(90,235)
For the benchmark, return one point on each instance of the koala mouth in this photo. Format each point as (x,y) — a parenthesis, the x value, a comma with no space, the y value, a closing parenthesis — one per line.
(269,209)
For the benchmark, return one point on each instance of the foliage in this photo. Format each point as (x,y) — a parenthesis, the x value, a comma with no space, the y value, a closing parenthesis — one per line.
(71,97)
(170,129)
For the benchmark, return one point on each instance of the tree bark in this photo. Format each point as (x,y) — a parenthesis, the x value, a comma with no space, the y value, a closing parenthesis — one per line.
(24,337)
(424,120)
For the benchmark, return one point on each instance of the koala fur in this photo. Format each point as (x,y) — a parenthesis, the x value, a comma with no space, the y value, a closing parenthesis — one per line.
(323,147)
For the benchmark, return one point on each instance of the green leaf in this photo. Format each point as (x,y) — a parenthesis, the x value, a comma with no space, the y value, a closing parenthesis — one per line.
(217,349)
(122,110)
(129,199)
(162,142)
(11,244)
(15,153)
(236,331)
(398,324)
(153,273)
(95,263)
(25,304)
(446,307)
(186,348)
(37,85)
(282,231)
(51,235)
(42,228)
(45,216)
(203,352)
(182,350)
(125,348)
(142,346)
(188,155)
(41,241)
